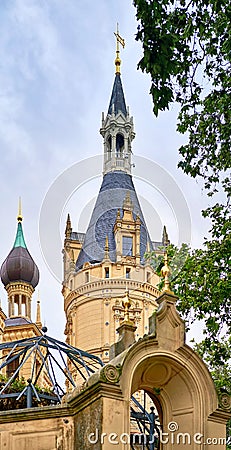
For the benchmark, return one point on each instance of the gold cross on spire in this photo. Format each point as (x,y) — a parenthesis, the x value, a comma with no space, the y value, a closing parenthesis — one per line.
(119,41)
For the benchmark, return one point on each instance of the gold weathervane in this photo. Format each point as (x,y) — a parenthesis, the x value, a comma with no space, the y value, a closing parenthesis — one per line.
(119,41)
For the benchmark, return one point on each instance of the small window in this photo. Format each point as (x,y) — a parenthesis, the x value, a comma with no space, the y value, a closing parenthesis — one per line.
(12,367)
(87,277)
(127,246)
(148,277)
(128,272)
(71,284)
(106,272)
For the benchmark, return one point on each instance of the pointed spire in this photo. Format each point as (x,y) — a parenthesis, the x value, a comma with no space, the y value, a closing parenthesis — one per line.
(106,249)
(68,230)
(106,244)
(19,217)
(165,239)
(127,204)
(19,239)
(38,313)
(117,102)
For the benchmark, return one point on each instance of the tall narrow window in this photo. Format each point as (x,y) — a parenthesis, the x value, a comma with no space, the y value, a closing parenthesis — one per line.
(119,145)
(12,367)
(109,143)
(106,272)
(128,272)
(86,277)
(127,246)
(148,277)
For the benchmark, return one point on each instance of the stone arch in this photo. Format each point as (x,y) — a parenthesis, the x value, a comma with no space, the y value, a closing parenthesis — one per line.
(187,393)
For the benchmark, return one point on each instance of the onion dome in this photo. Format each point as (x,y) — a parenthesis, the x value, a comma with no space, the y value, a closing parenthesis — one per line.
(19,264)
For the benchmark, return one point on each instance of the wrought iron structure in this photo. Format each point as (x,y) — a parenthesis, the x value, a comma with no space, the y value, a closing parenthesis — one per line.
(56,360)
(146,425)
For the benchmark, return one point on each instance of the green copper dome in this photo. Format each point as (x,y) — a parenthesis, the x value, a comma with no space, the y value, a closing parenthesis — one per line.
(19,264)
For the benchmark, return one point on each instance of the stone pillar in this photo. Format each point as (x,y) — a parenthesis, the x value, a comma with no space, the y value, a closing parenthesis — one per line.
(20,304)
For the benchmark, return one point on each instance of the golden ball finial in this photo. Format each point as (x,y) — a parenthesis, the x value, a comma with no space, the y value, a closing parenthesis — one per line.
(121,41)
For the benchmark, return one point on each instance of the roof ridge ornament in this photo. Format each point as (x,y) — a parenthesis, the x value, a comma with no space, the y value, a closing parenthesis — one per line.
(119,41)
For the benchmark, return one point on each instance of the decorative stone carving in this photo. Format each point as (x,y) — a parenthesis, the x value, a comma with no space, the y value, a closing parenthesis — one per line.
(110,373)
(157,373)
(225,401)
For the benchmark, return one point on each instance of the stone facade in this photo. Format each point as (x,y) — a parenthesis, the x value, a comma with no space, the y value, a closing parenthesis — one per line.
(98,415)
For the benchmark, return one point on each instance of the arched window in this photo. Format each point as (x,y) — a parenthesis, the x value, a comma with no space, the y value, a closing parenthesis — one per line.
(119,145)
(109,147)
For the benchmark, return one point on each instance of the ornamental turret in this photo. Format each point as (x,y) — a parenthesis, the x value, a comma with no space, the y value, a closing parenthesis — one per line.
(20,275)
(117,128)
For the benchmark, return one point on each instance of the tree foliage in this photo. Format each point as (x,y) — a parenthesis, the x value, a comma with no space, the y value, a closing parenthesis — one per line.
(187,53)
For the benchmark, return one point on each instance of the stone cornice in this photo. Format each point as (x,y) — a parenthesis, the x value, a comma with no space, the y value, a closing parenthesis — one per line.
(111,283)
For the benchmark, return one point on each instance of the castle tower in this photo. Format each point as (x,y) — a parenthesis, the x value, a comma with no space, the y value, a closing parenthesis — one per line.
(110,257)
(20,276)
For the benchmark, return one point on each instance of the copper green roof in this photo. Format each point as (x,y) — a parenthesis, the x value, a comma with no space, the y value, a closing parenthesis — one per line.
(19,240)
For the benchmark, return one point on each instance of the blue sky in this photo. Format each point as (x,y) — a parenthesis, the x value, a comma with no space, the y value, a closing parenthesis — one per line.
(56,76)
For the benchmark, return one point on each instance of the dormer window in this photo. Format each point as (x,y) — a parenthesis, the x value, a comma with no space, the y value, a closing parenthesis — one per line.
(127,246)
(119,145)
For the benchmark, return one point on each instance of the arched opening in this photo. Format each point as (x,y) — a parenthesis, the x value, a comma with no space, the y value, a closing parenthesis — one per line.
(16,305)
(23,306)
(145,421)
(119,145)
(109,147)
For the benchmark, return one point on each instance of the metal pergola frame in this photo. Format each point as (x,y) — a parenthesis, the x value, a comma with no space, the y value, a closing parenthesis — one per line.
(45,348)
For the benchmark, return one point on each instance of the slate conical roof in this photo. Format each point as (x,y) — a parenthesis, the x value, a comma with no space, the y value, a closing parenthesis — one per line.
(117,103)
(19,264)
(114,188)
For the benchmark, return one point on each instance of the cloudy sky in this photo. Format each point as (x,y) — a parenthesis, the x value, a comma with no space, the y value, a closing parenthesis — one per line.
(56,76)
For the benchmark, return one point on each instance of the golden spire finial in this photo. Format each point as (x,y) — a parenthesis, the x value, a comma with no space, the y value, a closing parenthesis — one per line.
(165,271)
(121,41)
(19,217)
